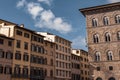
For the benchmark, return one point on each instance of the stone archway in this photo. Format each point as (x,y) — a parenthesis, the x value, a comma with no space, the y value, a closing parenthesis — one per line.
(111,78)
(99,78)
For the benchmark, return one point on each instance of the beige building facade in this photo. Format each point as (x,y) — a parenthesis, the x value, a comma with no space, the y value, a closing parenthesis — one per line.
(50,55)
(80,65)
(30,61)
(6,56)
(75,65)
(62,56)
(103,35)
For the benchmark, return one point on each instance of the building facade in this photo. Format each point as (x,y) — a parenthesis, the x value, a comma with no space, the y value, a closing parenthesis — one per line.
(30,61)
(62,56)
(75,65)
(6,56)
(80,65)
(50,55)
(103,34)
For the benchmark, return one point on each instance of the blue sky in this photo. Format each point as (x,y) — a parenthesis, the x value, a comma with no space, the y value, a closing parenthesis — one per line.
(60,17)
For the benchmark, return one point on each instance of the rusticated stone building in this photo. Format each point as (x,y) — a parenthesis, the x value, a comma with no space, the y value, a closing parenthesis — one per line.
(103,34)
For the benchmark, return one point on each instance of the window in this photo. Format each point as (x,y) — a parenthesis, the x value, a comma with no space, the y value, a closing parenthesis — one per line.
(26,45)
(17,70)
(94,22)
(9,55)
(95,38)
(97,56)
(1,69)
(7,70)
(107,37)
(110,68)
(106,21)
(9,43)
(109,55)
(17,56)
(45,72)
(1,54)
(56,47)
(1,41)
(18,32)
(26,57)
(98,68)
(117,19)
(25,71)
(111,78)
(45,61)
(51,73)
(51,62)
(18,44)
(118,35)
(26,35)
(99,78)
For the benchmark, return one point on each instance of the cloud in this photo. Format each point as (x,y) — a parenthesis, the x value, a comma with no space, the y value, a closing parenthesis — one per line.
(48,20)
(34,9)
(112,1)
(79,42)
(45,18)
(21,3)
(48,2)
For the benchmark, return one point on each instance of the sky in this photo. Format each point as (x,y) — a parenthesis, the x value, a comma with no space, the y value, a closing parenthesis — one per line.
(59,17)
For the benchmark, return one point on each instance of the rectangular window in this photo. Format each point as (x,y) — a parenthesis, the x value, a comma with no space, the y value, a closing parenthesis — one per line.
(9,43)
(1,41)
(56,47)
(25,71)
(17,56)
(110,68)
(7,70)
(1,69)
(26,35)
(17,70)
(9,55)
(18,43)
(26,45)
(98,68)
(18,32)
(25,57)
(1,54)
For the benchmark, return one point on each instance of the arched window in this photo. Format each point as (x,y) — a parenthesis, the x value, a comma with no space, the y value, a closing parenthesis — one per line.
(99,78)
(117,19)
(109,55)
(94,22)
(118,35)
(107,37)
(97,56)
(106,20)
(95,38)
(112,78)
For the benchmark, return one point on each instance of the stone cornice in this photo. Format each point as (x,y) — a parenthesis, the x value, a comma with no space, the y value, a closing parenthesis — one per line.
(101,8)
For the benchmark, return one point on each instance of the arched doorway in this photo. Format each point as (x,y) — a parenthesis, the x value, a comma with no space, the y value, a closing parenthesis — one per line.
(99,78)
(111,78)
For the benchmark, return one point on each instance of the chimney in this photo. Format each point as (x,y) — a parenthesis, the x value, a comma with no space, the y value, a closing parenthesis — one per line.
(22,25)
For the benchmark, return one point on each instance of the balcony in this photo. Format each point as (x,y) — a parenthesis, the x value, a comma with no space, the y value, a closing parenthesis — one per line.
(20,76)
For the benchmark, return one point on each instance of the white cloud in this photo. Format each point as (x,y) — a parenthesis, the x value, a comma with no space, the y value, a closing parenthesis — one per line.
(48,2)
(48,20)
(79,42)
(21,3)
(45,18)
(34,9)
(112,1)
